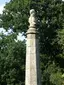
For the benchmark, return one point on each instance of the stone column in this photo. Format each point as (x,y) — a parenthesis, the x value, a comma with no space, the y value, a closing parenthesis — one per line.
(32,76)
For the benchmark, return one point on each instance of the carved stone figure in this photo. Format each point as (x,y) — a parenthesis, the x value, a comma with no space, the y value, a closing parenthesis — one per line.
(32,18)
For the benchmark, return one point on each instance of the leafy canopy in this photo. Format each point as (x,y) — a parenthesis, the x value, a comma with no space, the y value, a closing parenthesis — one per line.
(50,15)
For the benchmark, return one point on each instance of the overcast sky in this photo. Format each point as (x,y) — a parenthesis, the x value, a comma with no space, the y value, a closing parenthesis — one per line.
(2,3)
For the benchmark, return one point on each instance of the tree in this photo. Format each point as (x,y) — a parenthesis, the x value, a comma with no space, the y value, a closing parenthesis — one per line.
(50,15)
(12,58)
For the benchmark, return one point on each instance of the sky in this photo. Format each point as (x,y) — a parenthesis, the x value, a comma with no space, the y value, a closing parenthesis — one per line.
(2,4)
(3,1)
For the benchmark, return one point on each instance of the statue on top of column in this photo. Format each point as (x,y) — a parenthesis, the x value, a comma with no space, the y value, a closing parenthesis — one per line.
(32,18)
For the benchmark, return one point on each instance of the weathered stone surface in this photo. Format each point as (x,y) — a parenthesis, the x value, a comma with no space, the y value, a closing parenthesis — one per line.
(32,76)
(32,18)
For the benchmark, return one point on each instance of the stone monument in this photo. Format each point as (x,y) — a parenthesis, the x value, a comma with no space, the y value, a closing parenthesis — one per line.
(32,76)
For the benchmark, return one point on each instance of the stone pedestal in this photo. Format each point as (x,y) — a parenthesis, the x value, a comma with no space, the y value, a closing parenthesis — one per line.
(32,76)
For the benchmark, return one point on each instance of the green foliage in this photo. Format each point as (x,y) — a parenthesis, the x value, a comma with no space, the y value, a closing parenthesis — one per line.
(56,78)
(50,15)
(12,58)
